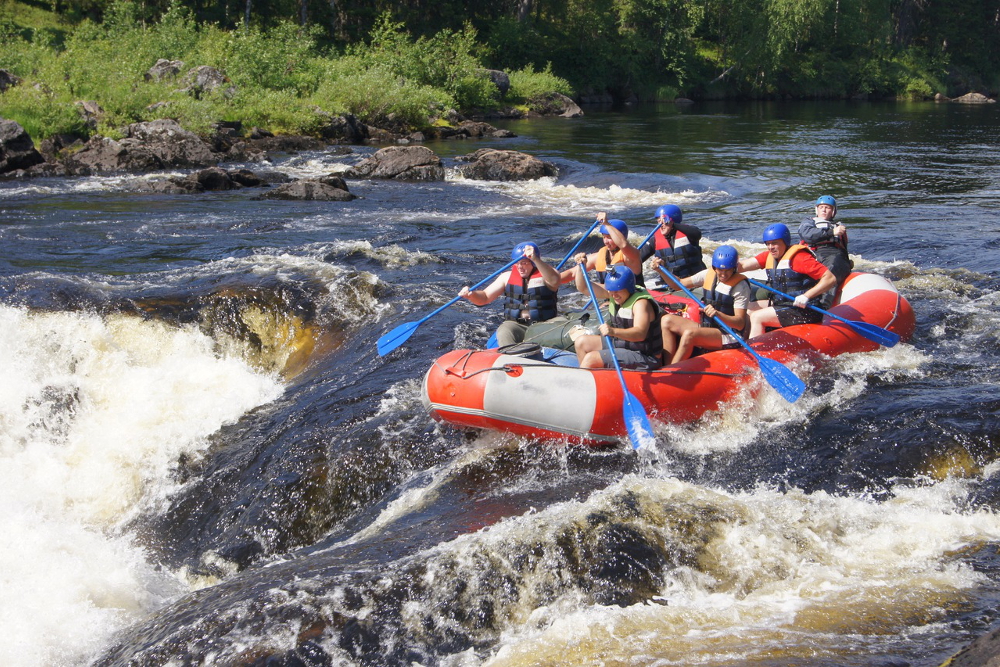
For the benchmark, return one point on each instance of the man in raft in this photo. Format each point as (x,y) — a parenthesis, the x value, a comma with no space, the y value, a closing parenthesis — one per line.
(727,296)
(529,291)
(827,238)
(633,324)
(675,243)
(616,250)
(794,270)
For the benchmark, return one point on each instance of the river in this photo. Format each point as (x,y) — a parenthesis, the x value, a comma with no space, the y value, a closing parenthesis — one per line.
(203,460)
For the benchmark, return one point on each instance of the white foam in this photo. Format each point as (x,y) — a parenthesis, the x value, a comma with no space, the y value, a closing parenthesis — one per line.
(93,414)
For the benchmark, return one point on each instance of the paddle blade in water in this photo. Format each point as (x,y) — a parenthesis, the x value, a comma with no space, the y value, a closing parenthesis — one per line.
(395,338)
(783,380)
(640,431)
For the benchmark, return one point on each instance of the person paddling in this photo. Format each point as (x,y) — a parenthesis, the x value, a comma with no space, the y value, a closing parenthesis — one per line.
(633,325)
(530,291)
(675,243)
(617,250)
(827,237)
(727,296)
(794,270)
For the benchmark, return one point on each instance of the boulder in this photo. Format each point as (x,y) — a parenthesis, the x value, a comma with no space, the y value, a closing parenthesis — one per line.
(91,113)
(310,190)
(347,129)
(489,164)
(974,98)
(500,80)
(7,80)
(164,69)
(174,145)
(555,104)
(406,163)
(103,155)
(204,79)
(17,151)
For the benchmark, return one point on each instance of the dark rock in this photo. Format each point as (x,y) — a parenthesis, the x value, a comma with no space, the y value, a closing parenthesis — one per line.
(7,80)
(91,112)
(215,178)
(489,164)
(346,128)
(55,145)
(175,146)
(204,79)
(164,69)
(555,104)
(500,80)
(983,652)
(308,190)
(409,163)
(17,151)
(248,179)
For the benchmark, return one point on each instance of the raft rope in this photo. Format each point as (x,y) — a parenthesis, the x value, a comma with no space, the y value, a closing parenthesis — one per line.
(506,368)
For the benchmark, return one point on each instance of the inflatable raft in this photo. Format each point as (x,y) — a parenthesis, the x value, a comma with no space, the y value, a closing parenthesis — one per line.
(540,397)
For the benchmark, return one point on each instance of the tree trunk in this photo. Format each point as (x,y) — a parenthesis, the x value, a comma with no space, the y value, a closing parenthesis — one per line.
(246,16)
(523,9)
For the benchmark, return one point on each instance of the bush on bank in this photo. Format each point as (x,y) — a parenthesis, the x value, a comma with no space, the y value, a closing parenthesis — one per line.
(280,79)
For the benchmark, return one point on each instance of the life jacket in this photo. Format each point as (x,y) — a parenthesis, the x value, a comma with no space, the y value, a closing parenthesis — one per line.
(606,259)
(528,294)
(839,242)
(781,277)
(680,257)
(720,294)
(622,318)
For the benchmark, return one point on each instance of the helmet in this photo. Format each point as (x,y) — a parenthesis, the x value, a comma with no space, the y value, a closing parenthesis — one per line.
(619,277)
(617,224)
(778,231)
(725,257)
(672,212)
(828,200)
(518,251)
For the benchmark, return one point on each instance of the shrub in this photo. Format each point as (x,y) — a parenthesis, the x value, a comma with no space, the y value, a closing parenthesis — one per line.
(527,83)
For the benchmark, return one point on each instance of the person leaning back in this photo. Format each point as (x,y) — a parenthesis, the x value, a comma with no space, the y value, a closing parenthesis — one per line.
(794,270)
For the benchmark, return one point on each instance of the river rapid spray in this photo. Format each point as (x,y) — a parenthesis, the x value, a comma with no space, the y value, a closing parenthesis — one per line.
(302,508)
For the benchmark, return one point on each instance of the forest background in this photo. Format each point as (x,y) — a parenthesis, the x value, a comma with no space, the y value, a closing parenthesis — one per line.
(406,63)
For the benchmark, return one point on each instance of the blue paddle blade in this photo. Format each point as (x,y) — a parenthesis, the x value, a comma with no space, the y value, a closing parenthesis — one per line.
(783,380)
(492,342)
(875,333)
(395,338)
(640,431)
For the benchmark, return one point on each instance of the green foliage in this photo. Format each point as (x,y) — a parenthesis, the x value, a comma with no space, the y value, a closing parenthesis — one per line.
(40,113)
(526,83)
(378,96)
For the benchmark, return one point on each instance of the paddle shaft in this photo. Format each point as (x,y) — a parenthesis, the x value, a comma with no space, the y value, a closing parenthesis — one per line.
(872,332)
(777,375)
(638,419)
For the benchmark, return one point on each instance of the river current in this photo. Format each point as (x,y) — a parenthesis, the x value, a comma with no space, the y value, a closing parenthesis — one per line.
(203,460)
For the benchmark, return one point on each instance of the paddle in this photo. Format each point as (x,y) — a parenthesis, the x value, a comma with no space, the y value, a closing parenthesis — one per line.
(784,381)
(492,342)
(869,331)
(398,336)
(640,431)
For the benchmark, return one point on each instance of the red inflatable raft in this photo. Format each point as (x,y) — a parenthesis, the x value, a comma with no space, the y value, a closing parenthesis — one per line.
(545,400)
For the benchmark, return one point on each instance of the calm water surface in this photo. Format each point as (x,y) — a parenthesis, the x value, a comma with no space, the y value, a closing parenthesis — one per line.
(204,460)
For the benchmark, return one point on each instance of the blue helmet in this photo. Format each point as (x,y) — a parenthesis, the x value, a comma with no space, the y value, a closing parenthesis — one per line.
(778,231)
(673,213)
(617,224)
(518,251)
(828,200)
(619,277)
(725,257)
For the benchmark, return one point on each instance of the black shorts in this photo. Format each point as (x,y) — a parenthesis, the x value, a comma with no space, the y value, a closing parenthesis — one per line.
(789,315)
